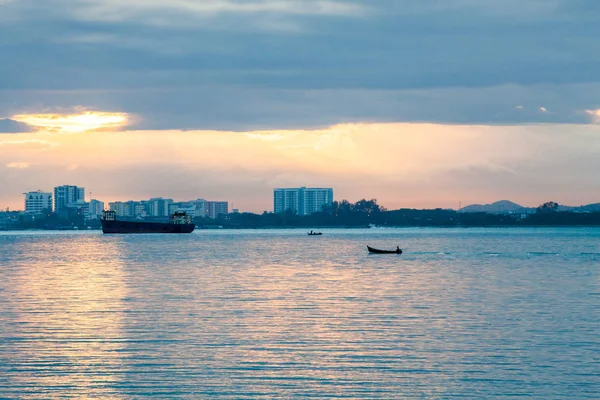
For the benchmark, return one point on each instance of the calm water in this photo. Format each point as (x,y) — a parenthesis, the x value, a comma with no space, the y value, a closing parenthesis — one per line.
(464,313)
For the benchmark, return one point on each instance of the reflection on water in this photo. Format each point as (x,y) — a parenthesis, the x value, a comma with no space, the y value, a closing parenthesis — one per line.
(64,315)
(466,313)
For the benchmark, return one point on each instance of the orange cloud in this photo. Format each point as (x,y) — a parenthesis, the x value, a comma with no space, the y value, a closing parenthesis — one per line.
(74,123)
(399,163)
(18,165)
(594,114)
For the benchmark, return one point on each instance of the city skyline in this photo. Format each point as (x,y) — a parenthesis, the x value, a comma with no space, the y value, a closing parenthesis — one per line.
(327,199)
(69,199)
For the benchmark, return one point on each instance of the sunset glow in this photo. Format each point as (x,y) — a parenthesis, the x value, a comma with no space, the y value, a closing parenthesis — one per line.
(400,164)
(74,123)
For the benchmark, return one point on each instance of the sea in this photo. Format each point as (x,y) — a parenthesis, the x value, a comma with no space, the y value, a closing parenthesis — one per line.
(251,314)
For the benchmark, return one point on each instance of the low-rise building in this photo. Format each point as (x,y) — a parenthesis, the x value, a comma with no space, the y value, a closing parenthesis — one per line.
(160,207)
(9,219)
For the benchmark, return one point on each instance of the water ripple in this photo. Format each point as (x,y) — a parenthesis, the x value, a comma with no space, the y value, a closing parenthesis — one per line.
(273,314)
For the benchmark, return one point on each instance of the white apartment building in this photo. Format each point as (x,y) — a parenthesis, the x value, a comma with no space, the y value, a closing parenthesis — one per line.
(38,202)
(302,201)
(118,207)
(200,207)
(95,208)
(314,199)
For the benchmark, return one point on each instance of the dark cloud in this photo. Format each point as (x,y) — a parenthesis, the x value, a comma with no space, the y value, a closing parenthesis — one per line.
(7,125)
(241,65)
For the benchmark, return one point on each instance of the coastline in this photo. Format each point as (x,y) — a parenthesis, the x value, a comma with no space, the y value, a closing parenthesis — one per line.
(304,228)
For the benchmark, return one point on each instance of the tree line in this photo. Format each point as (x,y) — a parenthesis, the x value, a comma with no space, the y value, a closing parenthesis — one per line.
(366,213)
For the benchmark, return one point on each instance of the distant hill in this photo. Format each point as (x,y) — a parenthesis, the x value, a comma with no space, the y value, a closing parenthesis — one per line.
(587,208)
(509,207)
(499,207)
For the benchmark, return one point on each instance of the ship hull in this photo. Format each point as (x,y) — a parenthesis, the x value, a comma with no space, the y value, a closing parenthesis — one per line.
(145,227)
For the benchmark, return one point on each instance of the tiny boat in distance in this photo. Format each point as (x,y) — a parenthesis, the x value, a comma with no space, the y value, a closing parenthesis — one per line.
(311,233)
(377,251)
(179,222)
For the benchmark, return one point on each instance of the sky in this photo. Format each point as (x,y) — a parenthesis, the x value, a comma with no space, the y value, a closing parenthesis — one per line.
(416,103)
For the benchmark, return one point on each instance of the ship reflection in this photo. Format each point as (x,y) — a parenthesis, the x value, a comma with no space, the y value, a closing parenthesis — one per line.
(69,313)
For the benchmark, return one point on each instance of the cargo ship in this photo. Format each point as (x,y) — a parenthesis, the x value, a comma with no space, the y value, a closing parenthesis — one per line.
(179,222)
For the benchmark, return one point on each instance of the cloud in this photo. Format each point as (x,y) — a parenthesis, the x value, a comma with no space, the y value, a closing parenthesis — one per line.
(594,114)
(18,165)
(112,10)
(8,125)
(74,123)
(28,143)
(249,65)
(189,14)
(264,136)
(414,165)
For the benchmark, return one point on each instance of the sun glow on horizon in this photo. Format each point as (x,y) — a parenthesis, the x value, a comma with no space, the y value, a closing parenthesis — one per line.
(401,164)
(75,123)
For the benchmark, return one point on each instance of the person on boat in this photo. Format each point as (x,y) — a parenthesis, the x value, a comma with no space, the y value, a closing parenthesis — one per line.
(398,249)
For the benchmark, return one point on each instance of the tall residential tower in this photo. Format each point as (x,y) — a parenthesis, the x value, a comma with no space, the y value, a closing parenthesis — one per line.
(303,201)
(66,196)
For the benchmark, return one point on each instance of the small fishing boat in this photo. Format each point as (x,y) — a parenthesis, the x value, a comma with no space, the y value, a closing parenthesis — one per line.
(377,251)
(311,233)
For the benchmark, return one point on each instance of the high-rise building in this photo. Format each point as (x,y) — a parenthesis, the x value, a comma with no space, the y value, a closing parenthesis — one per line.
(65,196)
(302,201)
(160,206)
(286,199)
(95,208)
(200,207)
(148,208)
(118,207)
(38,202)
(216,208)
(313,200)
(134,208)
